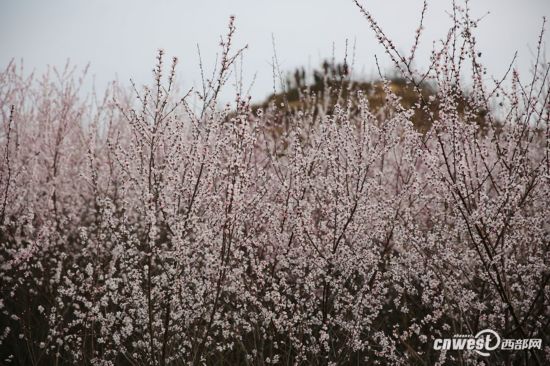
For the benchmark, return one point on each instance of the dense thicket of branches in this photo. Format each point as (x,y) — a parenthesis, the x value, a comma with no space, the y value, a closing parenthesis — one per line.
(146,231)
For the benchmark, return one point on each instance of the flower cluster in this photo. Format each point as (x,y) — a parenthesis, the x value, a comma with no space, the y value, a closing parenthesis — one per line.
(145,229)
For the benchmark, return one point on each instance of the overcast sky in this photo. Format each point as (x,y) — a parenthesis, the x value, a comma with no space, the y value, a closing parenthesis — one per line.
(120,38)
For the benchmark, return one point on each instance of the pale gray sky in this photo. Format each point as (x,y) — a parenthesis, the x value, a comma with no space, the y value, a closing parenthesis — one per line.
(120,38)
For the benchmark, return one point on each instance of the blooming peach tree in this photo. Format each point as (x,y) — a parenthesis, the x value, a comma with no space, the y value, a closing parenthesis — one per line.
(154,227)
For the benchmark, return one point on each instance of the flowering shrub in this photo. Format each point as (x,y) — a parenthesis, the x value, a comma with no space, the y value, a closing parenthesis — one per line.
(145,230)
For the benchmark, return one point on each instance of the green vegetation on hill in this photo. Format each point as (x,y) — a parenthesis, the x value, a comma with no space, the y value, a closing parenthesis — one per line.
(333,85)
